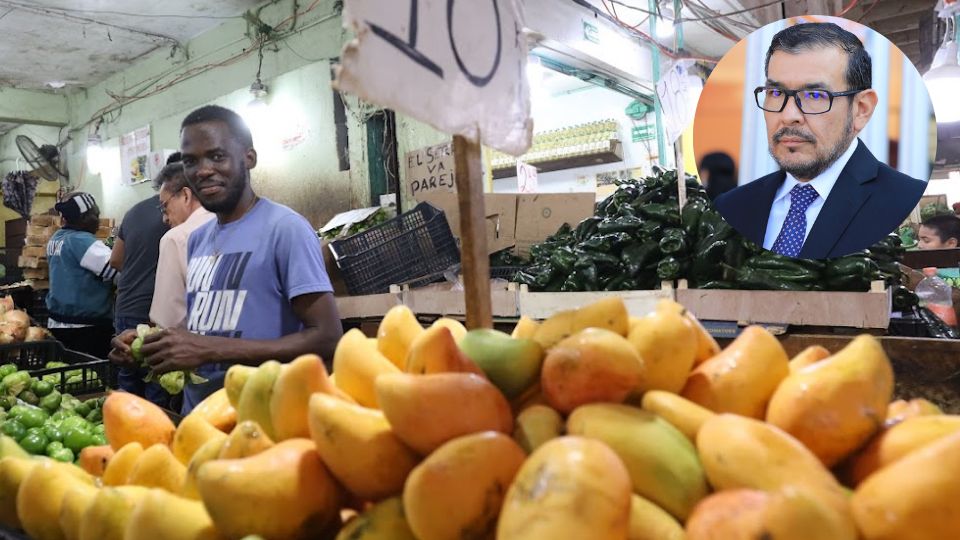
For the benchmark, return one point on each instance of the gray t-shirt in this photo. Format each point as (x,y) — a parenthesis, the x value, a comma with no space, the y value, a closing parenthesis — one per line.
(141,230)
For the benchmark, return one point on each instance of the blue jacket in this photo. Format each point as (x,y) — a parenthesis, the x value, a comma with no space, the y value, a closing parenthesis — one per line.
(80,278)
(868,202)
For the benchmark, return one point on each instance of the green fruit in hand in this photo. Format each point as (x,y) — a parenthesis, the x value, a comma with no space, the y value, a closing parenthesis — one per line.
(52,447)
(64,454)
(53,432)
(82,409)
(34,417)
(77,438)
(511,364)
(35,443)
(135,351)
(13,429)
(41,388)
(51,402)
(29,397)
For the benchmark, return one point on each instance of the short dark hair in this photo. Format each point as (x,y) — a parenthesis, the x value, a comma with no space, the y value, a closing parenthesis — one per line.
(174,158)
(216,113)
(947,226)
(172,174)
(806,36)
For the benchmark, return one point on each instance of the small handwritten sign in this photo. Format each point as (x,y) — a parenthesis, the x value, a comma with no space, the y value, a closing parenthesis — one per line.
(526,178)
(457,65)
(430,169)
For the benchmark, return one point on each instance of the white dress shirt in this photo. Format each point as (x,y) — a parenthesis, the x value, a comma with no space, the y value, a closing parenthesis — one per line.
(823,184)
(169,306)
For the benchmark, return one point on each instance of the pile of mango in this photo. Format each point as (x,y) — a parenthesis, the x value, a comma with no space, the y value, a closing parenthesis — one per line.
(591,424)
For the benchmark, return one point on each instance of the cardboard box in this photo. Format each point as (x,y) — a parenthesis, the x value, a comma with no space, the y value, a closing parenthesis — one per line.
(103,232)
(35,273)
(39,252)
(107,222)
(34,240)
(44,220)
(333,271)
(40,284)
(37,230)
(501,214)
(25,261)
(540,215)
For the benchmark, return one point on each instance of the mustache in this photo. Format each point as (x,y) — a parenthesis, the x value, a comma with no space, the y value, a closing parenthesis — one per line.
(792,132)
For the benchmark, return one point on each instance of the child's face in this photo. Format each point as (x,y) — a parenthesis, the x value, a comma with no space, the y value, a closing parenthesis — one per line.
(930,239)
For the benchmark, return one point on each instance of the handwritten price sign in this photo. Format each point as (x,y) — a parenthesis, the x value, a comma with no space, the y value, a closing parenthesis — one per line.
(458,65)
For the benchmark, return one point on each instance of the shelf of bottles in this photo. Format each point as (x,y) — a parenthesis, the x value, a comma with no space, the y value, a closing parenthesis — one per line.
(566,148)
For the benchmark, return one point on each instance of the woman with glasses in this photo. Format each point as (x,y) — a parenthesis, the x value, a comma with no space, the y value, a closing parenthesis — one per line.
(831,196)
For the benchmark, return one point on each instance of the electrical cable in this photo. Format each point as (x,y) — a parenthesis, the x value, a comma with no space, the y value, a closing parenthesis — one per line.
(644,37)
(848,8)
(868,10)
(150,15)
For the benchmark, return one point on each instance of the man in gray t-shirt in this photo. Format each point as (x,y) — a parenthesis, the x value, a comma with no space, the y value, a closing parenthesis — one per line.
(135,254)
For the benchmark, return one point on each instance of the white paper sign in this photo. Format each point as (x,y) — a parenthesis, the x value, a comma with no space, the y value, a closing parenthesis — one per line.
(459,66)
(135,155)
(526,178)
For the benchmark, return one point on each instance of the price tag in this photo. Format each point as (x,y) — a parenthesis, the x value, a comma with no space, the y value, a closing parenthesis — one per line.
(526,178)
(458,65)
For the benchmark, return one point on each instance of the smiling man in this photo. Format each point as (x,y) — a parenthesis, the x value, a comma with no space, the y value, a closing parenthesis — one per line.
(256,286)
(831,196)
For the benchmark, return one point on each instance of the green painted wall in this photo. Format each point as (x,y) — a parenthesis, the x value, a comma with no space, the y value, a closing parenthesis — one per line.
(304,176)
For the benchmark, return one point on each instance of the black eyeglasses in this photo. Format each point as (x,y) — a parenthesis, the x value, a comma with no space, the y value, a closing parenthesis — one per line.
(163,204)
(809,101)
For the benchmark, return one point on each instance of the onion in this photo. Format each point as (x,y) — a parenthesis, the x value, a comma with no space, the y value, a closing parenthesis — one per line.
(17,317)
(14,331)
(36,333)
(6,304)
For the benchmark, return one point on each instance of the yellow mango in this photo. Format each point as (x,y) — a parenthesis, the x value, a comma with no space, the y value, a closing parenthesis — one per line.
(474,470)
(217,410)
(667,343)
(571,487)
(41,494)
(157,467)
(741,378)
(807,357)
(707,347)
(662,463)
(235,380)
(593,365)
(192,433)
(107,515)
(209,451)
(900,440)
(119,467)
(10,448)
(788,513)
(739,452)
(12,472)
(247,439)
(385,520)
(650,522)
(257,393)
(94,459)
(536,425)
(526,328)
(457,329)
(164,516)
(834,406)
(914,498)
(900,410)
(682,413)
(282,492)
(435,351)
(359,447)
(396,333)
(291,394)
(426,411)
(356,365)
(74,508)
(608,313)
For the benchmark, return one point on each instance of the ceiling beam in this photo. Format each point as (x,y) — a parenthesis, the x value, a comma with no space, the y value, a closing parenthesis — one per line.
(30,107)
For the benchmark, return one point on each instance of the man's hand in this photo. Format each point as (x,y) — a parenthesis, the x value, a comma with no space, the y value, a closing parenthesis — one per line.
(173,349)
(121,353)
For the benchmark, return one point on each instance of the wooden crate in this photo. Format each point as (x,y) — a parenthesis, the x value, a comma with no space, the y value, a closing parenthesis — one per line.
(39,252)
(39,284)
(370,305)
(36,273)
(26,261)
(438,299)
(44,220)
(107,222)
(103,232)
(37,240)
(868,310)
(541,305)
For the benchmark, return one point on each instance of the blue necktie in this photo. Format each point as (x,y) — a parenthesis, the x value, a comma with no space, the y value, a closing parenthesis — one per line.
(794,230)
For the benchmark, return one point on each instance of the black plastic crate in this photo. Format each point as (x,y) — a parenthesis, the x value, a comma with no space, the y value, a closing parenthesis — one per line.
(95,376)
(402,250)
(504,272)
(33,357)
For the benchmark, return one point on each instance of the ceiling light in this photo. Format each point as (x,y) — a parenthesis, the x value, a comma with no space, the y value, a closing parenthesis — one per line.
(664,28)
(56,84)
(942,82)
(94,153)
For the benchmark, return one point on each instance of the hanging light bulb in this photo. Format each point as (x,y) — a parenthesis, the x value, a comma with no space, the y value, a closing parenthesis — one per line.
(94,153)
(666,20)
(943,79)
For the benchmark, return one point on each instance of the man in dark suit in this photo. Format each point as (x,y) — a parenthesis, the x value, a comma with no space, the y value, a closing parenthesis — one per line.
(831,196)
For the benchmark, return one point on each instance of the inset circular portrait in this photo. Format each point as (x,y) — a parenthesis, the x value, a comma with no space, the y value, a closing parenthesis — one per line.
(815,137)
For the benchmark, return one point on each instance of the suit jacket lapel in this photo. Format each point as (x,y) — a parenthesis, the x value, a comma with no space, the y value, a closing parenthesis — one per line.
(757,225)
(851,190)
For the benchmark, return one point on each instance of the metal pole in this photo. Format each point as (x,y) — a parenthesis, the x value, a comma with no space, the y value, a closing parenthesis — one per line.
(661,148)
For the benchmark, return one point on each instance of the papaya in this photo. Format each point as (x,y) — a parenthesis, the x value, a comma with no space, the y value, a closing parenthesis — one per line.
(129,418)
(571,487)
